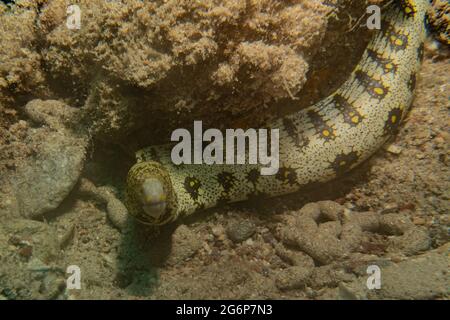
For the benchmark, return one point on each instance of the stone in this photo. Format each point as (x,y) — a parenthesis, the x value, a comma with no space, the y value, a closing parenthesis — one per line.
(417,278)
(240,231)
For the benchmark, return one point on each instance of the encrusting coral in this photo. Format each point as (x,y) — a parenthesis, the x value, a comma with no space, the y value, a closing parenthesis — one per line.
(137,64)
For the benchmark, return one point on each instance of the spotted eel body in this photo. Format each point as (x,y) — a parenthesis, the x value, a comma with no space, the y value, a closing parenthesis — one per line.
(317,144)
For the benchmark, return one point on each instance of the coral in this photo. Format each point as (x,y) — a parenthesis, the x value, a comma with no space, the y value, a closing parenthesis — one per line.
(20,62)
(197,59)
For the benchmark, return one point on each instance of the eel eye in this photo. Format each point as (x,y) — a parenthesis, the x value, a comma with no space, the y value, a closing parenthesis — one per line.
(153,198)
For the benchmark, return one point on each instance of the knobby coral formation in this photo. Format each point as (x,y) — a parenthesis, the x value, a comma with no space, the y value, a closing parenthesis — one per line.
(190,58)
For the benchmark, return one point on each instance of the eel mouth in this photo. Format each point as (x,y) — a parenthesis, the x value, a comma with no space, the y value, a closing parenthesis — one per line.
(155,210)
(153,198)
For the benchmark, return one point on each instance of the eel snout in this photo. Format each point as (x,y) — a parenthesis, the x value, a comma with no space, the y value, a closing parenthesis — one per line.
(153,198)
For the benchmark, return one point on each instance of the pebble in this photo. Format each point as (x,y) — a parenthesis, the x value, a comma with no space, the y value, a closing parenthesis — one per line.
(394,149)
(218,232)
(240,231)
(207,248)
(249,242)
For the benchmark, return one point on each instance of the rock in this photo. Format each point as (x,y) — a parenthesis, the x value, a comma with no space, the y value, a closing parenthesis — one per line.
(44,180)
(53,113)
(417,278)
(240,231)
(394,149)
(358,263)
(185,243)
(352,291)
(219,232)
(423,277)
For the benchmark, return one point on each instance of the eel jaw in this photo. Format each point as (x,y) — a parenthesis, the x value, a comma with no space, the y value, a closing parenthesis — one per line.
(153,198)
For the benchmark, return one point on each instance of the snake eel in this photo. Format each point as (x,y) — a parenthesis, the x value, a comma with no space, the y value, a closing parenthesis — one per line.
(316,144)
